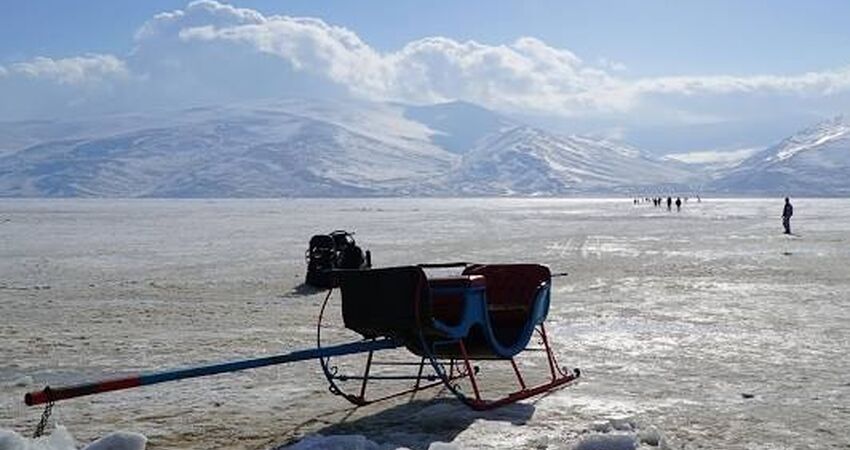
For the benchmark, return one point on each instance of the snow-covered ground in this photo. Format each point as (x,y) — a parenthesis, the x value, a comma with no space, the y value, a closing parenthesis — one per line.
(706,328)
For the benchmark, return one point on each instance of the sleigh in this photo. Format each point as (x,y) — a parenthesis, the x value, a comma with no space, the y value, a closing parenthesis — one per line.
(487,312)
(416,332)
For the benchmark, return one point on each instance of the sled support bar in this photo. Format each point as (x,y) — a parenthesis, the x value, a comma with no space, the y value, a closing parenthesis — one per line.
(61,393)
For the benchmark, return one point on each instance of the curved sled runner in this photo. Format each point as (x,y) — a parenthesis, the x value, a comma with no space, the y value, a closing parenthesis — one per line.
(487,312)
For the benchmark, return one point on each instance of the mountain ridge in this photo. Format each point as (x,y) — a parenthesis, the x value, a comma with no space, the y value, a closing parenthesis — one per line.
(813,161)
(309,148)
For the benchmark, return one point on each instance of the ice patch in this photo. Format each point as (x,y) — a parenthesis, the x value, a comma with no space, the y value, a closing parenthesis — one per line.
(620,434)
(608,442)
(443,446)
(61,439)
(119,440)
(623,424)
(594,404)
(650,437)
(442,414)
(21,381)
(340,442)
(349,442)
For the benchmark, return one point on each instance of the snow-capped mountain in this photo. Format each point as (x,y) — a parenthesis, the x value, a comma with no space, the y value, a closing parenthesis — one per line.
(528,161)
(815,161)
(316,148)
(291,148)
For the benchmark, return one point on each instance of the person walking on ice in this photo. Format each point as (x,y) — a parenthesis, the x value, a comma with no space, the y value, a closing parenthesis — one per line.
(787,212)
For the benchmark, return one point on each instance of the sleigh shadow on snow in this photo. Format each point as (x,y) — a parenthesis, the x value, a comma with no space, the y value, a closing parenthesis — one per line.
(414,424)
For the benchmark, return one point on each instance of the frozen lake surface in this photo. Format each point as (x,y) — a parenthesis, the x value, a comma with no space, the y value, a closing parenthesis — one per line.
(703,329)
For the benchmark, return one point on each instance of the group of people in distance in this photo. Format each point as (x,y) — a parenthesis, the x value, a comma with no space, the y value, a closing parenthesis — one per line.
(659,201)
(787,211)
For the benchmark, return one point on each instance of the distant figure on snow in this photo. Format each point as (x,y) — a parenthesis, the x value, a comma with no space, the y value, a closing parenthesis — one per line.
(669,203)
(787,212)
(678,204)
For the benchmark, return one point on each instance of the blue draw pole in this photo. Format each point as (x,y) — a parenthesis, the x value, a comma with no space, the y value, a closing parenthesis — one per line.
(49,394)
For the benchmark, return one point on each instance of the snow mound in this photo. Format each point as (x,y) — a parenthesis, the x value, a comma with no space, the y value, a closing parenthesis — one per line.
(61,439)
(119,440)
(608,442)
(621,434)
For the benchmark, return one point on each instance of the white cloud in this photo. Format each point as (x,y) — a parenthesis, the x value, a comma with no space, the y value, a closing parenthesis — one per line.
(524,75)
(527,75)
(823,83)
(614,66)
(197,13)
(714,156)
(209,51)
(309,45)
(72,71)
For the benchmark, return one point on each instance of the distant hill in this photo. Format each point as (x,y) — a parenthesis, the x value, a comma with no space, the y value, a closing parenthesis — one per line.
(528,161)
(815,161)
(292,148)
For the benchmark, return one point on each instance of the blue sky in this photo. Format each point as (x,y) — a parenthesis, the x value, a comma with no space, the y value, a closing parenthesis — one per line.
(629,69)
(650,37)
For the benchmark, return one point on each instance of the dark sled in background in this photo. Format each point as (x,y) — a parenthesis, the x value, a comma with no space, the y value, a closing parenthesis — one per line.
(336,250)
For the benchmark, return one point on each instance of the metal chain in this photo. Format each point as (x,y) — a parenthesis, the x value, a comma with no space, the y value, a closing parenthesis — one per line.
(45,415)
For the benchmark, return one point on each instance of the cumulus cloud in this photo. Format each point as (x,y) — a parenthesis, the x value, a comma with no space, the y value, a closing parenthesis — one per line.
(197,13)
(614,66)
(823,83)
(72,71)
(526,75)
(308,44)
(714,156)
(209,50)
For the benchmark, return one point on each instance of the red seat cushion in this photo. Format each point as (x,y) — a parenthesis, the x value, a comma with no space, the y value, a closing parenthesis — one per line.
(510,290)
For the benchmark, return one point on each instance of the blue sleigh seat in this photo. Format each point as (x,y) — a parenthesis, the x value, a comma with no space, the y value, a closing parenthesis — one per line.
(492,308)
